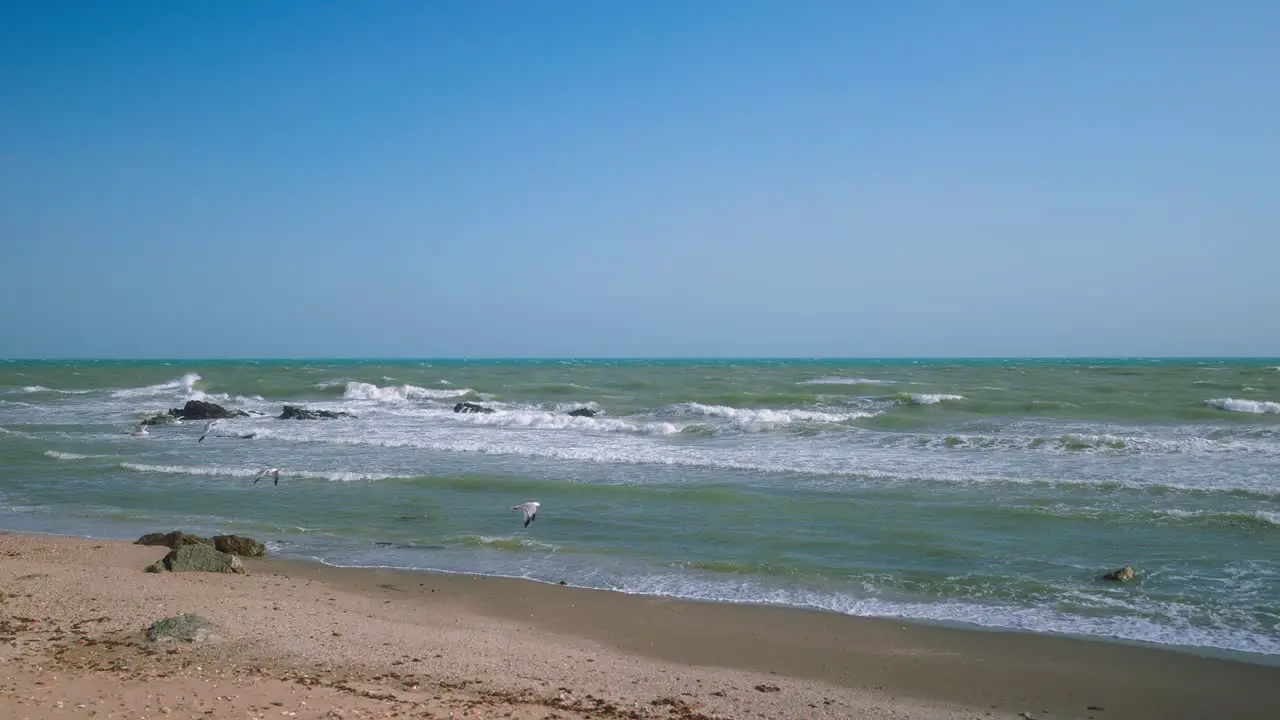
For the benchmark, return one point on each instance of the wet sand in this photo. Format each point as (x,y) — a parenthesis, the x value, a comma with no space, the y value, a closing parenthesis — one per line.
(326,642)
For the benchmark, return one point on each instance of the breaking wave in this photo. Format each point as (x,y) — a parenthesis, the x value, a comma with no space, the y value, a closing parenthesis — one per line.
(186,384)
(243,472)
(399,393)
(1256,407)
(927,398)
(770,417)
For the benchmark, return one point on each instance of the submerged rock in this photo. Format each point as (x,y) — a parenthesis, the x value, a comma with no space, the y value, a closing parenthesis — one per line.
(295,412)
(470,407)
(175,539)
(201,410)
(237,545)
(197,558)
(583,412)
(161,419)
(1124,574)
(184,628)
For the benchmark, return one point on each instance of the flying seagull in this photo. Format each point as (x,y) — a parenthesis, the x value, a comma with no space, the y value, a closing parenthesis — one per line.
(207,429)
(140,430)
(273,472)
(530,511)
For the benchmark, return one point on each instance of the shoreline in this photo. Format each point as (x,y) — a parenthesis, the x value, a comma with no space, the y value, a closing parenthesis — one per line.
(523,635)
(302,563)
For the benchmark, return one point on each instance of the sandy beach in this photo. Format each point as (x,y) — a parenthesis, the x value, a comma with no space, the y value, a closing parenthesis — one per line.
(309,641)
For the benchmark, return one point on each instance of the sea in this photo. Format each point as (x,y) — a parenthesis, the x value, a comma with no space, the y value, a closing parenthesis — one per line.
(985,493)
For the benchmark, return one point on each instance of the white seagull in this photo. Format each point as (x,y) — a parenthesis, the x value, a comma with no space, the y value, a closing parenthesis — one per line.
(530,511)
(207,429)
(273,472)
(140,431)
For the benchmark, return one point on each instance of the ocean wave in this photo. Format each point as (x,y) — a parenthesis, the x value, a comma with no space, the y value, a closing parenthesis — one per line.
(544,420)
(186,384)
(1256,407)
(927,398)
(244,472)
(748,416)
(398,393)
(503,543)
(846,381)
(821,471)
(57,455)
(32,389)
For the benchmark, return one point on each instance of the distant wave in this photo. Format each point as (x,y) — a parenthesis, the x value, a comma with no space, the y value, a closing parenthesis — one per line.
(765,416)
(398,393)
(244,472)
(846,381)
(43,389)
(1256,407)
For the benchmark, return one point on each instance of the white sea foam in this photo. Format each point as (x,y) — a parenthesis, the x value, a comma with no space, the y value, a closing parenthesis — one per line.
(398,393)
(1257,407)
(846,381)
(250,472)
(765,416)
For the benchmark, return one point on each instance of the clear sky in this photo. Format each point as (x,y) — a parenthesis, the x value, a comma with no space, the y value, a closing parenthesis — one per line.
(641,178)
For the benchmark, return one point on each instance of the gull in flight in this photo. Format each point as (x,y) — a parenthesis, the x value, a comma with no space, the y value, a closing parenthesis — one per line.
(207,429)
(273,472)
(140,431)
(530,511)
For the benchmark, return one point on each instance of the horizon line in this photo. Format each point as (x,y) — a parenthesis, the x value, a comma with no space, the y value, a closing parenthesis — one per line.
(517,358)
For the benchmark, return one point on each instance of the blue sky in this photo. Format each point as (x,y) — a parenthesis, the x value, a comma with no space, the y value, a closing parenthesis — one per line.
(573,178)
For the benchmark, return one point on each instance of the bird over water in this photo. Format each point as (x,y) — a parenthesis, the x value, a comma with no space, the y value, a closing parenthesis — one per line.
(273,472)
(530,510)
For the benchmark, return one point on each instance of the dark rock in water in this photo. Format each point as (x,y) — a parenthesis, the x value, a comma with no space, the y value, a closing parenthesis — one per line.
(583,412)
(175,539)
(237,545)
(197,558)
(184,628)
(294,412)
(1124,574)
(201,410)
(470,407)
(161,419)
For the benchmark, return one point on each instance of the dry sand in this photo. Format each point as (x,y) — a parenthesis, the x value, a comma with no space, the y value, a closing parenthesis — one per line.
(308,641)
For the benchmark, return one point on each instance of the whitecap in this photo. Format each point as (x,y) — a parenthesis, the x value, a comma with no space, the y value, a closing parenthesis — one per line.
(1256,407)
(846,381)
(398,393)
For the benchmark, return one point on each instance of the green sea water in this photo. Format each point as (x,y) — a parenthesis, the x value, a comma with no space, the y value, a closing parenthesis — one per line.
(982,492)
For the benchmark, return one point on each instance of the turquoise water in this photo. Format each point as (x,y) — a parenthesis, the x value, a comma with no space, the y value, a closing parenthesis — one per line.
(987,492)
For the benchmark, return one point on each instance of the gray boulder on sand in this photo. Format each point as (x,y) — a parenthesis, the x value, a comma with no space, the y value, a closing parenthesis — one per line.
(230,544)
(295,412)
(237,545)
(175,539)
(197,558)
(1124,574)
(184,628)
